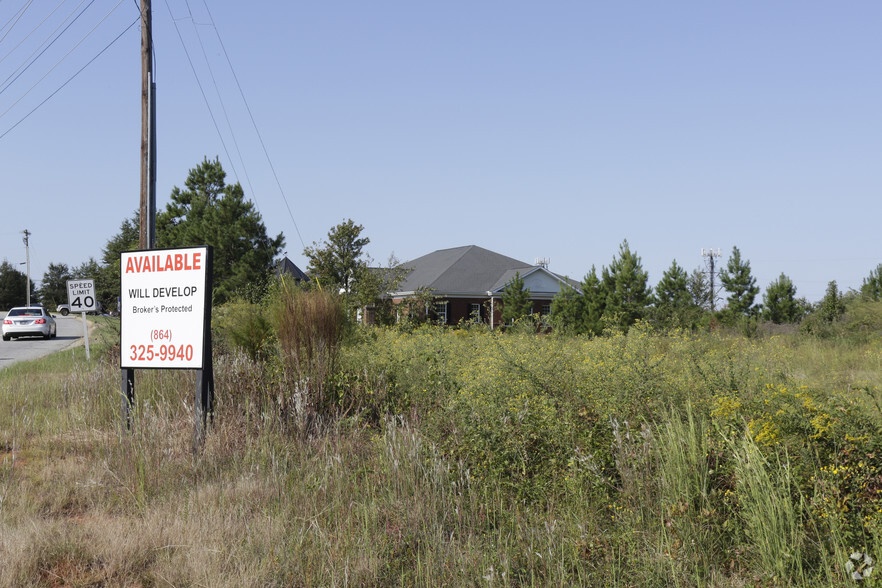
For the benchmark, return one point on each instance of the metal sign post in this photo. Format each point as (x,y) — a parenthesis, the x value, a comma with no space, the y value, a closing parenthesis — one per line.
(81,298)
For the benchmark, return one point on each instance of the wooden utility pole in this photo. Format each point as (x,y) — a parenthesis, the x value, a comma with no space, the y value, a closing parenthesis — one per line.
(147,234)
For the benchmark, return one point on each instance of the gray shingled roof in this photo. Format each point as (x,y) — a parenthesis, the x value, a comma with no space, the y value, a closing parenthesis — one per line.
(469,270)
(287,266)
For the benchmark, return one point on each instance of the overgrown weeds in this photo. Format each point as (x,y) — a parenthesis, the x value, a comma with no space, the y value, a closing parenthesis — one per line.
(450,457)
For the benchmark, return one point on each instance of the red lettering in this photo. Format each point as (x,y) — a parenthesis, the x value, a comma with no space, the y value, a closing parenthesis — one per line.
(179,265)
(197,260)
(129,268)
(169,266)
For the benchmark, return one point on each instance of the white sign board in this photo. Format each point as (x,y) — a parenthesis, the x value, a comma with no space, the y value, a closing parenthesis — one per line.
(81,295)
(164,307)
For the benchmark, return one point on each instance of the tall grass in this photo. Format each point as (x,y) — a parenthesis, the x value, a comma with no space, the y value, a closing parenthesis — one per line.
(311,324)
(457,458)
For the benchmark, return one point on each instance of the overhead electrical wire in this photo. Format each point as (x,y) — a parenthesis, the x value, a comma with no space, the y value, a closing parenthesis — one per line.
(11,24)
(201,90)
(117,38)
(66,55)
(28,62)
(223,107)
(254,124)
(26,37)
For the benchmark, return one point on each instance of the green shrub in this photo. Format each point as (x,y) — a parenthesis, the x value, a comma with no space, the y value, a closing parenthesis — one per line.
(246,326)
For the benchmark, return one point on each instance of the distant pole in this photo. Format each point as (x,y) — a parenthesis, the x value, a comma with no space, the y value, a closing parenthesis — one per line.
(28,267)
(710,255)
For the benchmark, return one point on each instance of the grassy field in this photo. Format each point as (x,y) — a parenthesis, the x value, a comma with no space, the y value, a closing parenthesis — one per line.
(453,458)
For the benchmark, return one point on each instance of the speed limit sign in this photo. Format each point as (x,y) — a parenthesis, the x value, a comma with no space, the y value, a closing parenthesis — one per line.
(81,295)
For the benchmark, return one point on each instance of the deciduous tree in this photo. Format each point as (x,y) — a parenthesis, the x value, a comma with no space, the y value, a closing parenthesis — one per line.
(340,261)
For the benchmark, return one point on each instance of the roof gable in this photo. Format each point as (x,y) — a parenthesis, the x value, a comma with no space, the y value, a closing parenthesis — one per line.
(286,266)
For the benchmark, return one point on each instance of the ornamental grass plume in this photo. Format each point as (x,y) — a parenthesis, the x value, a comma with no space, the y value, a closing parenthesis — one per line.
(311,327)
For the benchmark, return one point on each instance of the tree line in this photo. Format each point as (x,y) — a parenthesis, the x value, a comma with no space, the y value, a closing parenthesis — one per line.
(206,211)
(619,295)
(210,211)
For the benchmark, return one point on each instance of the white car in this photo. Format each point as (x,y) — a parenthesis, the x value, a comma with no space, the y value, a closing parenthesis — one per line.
(28,321)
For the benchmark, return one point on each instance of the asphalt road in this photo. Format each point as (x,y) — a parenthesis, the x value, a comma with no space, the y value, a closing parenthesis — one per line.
(70,333)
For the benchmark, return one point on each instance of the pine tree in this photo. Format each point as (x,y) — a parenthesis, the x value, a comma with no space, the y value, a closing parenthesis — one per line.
(779,301)
(673,288)
(872,286)
(627,293)
(211,212)
(673,301)
(740,285)
(567,309)
(594,303)
(699,289)
(515,300)
(53,287)
(831,307)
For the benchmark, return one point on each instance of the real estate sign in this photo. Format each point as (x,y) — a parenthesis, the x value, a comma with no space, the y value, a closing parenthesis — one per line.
(164,307)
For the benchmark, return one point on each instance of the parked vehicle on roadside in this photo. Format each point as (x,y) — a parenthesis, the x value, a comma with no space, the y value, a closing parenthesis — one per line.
(28,321)
(64,309)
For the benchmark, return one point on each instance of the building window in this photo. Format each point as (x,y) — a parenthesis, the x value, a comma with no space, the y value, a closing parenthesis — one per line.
(441,312)
(546,309)
(475,312)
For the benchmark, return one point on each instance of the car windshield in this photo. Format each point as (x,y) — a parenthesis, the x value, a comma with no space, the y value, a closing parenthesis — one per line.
(26,312)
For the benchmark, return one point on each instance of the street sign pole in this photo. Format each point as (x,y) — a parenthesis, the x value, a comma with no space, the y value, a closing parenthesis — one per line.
(86,335)
(81,298)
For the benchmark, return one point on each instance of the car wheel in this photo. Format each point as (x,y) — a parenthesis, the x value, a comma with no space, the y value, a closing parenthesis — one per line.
(6,337)
(64,312)
(47,336)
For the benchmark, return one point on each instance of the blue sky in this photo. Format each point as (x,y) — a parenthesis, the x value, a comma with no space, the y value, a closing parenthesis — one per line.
(552,130)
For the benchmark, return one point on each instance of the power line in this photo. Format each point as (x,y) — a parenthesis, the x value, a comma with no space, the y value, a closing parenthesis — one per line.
(12,24)
(66,55)
(222,105)
(70,78)
(254,124)
(26,37)
(201,90)
(27,65)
